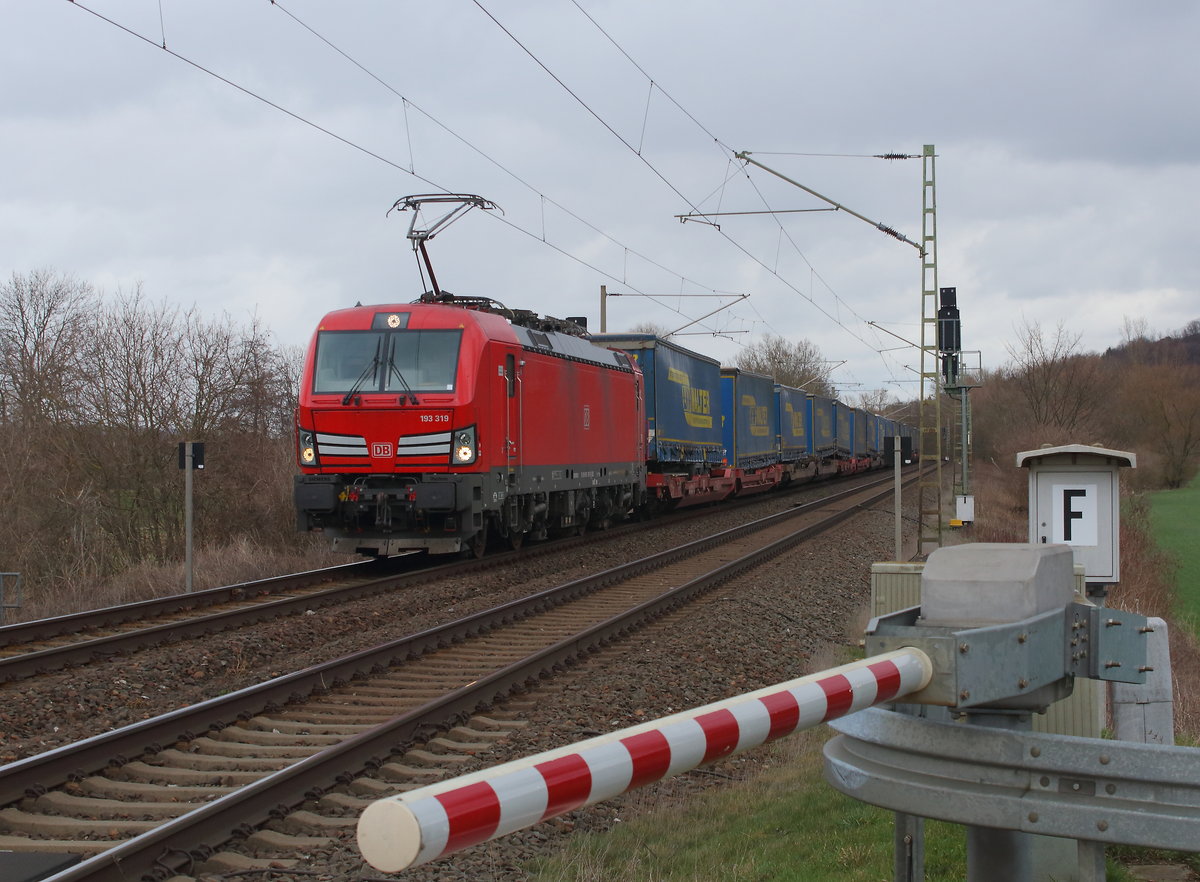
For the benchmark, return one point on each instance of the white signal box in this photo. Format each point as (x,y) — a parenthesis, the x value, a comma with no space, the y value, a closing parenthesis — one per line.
(1075,499)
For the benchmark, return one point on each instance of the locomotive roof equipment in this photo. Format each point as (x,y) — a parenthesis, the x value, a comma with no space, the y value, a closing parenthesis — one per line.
(461,202)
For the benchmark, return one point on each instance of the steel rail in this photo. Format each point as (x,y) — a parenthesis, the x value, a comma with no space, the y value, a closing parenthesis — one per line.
(71,623)
(36,774)
(31,664)
(161,852)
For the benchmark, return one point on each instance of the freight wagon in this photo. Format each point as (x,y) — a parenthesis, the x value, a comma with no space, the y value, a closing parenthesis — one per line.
(796,450)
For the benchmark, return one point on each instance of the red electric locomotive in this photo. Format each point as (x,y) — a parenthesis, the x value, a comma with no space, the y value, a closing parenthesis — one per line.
(434,424)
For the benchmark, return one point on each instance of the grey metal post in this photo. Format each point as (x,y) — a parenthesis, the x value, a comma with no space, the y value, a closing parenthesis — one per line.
(966,410)
(187,515)
(909,848)
(896,470)
(987,585)
(995,855)
(9,601)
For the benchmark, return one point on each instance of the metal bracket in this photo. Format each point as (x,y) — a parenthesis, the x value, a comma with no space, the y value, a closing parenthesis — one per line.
(1023,665)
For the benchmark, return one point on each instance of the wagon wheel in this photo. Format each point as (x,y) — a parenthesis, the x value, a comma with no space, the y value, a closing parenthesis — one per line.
(516,539)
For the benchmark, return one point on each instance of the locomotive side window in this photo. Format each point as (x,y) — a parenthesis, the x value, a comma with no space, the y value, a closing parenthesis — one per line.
(510,374)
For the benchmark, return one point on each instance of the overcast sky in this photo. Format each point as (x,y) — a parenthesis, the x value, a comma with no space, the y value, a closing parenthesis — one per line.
(1067,172)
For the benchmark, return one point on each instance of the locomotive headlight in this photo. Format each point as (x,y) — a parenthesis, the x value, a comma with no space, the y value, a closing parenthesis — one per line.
(308,448)
(462,447)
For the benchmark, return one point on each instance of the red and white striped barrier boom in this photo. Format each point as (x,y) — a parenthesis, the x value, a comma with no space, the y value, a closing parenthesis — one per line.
(411,828)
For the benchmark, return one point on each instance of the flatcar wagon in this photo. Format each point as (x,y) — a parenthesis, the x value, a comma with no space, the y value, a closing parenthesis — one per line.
(796,450)
(751,429)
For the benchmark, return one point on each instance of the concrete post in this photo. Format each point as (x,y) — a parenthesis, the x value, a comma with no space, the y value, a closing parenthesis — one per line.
(1145,712)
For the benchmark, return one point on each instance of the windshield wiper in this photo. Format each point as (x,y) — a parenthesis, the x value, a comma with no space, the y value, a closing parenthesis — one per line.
(368,371)
(399,376)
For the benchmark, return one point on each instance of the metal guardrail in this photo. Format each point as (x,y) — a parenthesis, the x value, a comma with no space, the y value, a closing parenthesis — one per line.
(1115,792)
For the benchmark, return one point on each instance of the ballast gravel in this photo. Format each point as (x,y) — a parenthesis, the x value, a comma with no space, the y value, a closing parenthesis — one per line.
(792,616)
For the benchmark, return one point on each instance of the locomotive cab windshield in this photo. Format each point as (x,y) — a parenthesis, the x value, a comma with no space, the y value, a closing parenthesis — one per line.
(391,361)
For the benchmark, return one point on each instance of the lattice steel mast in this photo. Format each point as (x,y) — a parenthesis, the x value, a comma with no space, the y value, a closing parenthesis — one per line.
(929,528)
(929,441)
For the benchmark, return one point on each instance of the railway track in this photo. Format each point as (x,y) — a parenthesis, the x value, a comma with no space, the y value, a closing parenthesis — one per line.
(28,649)
(139,800)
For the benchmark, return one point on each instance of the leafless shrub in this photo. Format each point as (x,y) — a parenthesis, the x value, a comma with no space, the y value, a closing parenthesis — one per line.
(240,560)
(95,394)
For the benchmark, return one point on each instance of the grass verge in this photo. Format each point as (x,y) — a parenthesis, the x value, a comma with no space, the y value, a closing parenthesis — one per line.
(784,824)
(1175,521)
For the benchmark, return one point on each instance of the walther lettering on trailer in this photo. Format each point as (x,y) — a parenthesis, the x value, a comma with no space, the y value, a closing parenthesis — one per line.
(760,420)
(822,424)
(697,410)
(797,421)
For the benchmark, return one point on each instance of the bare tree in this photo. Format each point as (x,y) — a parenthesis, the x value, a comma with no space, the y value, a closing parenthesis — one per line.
(875,401)
(650,328)
(1061,386)
(1159,409)
(798,364)
(95,393)
(44,318)
(1134,328)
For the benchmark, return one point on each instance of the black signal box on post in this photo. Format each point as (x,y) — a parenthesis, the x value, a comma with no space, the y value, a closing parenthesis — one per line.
(197,454)
(949,328)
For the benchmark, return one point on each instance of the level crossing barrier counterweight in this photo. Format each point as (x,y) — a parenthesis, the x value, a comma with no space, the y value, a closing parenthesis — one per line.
(419,826)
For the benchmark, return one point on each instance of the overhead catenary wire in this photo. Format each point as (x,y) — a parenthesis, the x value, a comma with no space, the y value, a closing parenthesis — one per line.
(411,170)
(512,174)
(878,347)
(252,94)
(659,174)
(724,147)
(734,153)
(731,151)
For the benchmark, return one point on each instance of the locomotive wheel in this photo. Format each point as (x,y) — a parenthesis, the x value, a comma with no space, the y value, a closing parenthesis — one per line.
(477,544)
